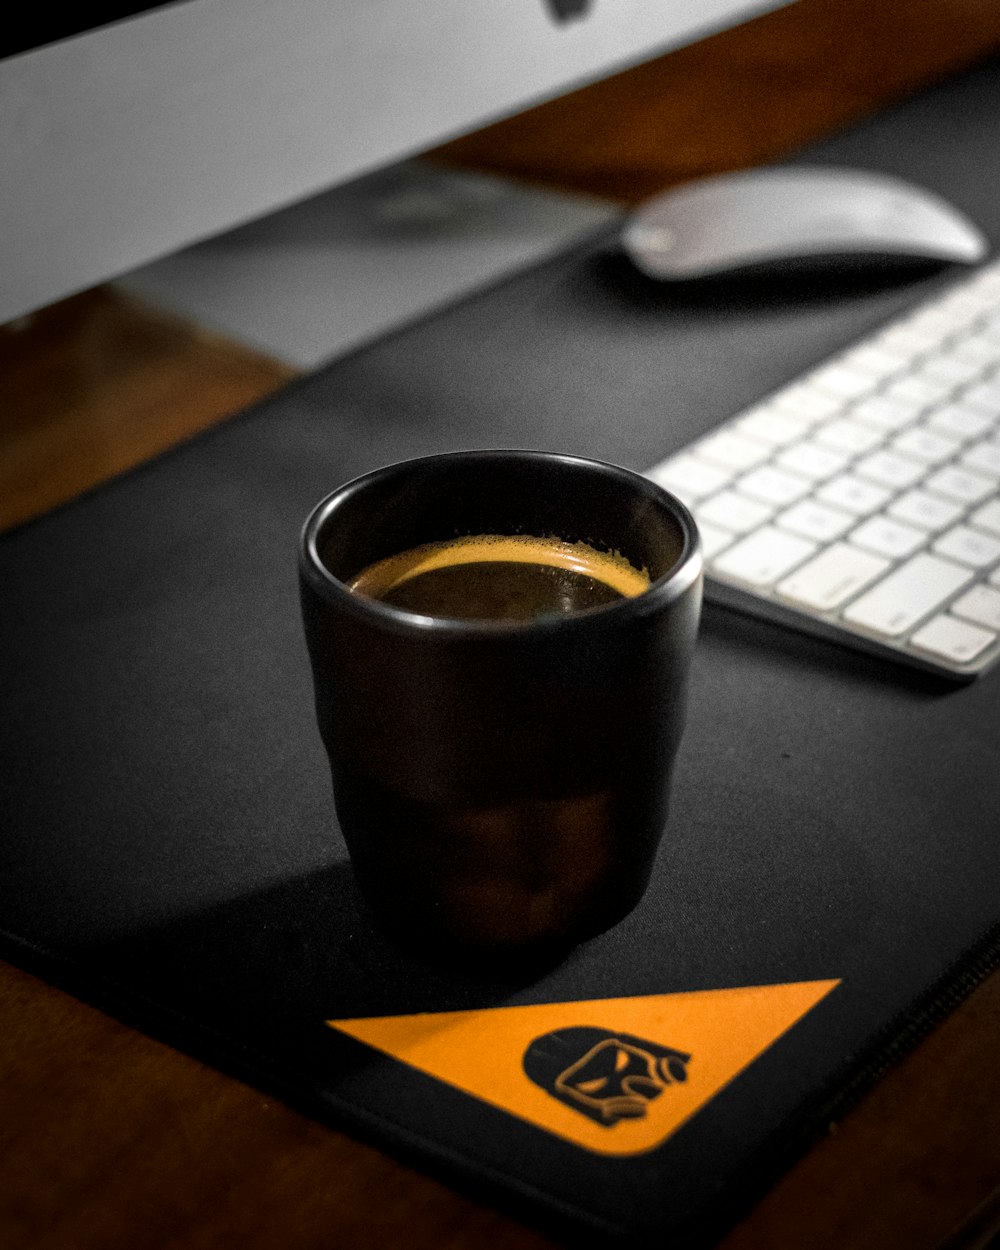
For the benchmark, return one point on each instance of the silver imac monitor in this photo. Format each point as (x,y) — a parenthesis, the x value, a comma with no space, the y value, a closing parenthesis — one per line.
(133,131)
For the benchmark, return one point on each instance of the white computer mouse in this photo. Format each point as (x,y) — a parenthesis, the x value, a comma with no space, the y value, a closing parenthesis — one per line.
(776,216)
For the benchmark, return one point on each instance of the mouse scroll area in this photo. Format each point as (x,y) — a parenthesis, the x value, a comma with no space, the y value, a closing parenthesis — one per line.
(792,216)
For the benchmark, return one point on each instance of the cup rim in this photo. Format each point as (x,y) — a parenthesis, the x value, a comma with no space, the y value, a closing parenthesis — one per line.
(671,585)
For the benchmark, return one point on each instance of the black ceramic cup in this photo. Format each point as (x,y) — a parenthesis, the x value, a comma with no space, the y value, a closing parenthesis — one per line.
(502,786)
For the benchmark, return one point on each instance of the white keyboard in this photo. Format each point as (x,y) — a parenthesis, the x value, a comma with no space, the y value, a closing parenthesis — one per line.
(862,501)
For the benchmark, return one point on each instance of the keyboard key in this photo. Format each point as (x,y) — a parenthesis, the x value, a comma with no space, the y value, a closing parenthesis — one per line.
(764,556)
(816,520)
(732,451)
(968,546)
(925,444)
(807,402)
(909,593)
(889,468)
(969,300)
(938,320)
(713,539)
(987,517)
(919,389)
(946,367)
(771,485)
(840,379)
(870,358)
(963,485)
(886,414)
(886,537)
(850,492)
(981,349)
(984,395)
(959,421)
(908,340)
(987,280)
(848,436)
(953,639)
(733,511)
(688,477)
(812,460)
(929,512)
(770,426)
(832,577)
(981,605)
(984,457)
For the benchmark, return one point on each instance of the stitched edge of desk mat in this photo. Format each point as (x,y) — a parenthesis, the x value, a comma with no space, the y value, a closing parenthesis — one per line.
(169,839)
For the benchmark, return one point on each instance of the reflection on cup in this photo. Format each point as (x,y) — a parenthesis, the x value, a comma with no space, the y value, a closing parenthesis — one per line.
(500,644)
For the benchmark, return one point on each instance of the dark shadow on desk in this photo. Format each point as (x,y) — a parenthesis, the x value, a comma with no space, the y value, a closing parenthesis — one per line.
(792,285)
(279,961)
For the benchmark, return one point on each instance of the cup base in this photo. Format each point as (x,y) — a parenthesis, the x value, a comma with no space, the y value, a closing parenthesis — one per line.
(517,884)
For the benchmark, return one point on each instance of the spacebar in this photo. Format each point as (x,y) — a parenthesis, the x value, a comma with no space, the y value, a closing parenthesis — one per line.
(907,595)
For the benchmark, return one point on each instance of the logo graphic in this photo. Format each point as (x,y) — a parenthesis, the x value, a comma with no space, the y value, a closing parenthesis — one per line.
(608,1077)
(568,10)
(616,1076)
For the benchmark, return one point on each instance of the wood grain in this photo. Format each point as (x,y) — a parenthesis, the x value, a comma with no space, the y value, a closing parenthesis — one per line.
(96,384)
(110,1140)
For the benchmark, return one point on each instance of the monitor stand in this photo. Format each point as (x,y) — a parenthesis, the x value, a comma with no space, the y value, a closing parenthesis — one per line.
(312,281)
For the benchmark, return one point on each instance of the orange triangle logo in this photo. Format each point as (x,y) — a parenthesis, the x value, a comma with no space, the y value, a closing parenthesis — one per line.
(617,1076)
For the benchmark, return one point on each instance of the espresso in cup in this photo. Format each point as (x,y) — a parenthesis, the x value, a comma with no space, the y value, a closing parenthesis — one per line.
(500,643)
(501,577)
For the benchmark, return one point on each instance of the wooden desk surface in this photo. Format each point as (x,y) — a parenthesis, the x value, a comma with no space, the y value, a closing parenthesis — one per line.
(109,1139)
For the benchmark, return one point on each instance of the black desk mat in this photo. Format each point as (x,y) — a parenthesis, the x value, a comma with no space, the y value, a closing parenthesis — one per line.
(829,879)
